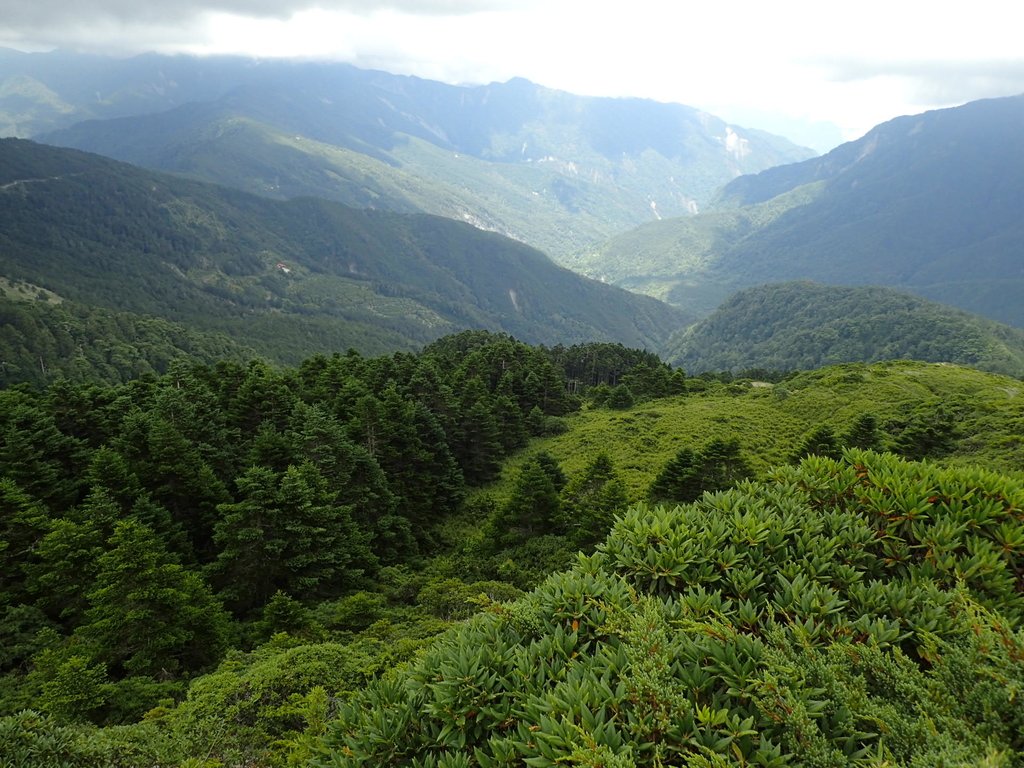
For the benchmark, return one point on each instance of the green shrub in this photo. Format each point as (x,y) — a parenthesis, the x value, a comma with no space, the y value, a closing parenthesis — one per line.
(853,611)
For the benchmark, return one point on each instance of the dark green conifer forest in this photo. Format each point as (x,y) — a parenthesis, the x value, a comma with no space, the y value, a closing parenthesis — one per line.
(492,554)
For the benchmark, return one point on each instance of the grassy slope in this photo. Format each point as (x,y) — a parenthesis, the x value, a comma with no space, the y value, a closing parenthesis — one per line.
(770,421)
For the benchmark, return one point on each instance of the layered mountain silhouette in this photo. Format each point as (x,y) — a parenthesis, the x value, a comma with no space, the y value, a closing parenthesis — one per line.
(928,203)
(555,170)
(286,278)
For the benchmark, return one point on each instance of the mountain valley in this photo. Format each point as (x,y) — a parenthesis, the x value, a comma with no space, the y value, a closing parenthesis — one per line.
(926,204)
(314,452)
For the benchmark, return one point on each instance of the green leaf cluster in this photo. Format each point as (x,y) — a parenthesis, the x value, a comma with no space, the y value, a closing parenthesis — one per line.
(860,611)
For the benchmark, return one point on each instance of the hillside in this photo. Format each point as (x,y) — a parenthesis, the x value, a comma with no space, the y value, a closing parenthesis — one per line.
(287,278)
(802,325)
(799,621)
(924,203)
(40,341)
(981,415)
(552,169)
(302,573)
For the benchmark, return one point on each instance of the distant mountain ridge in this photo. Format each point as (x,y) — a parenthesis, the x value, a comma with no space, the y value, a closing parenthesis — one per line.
(928,204)
(804,325)
(546,167)
(287,279)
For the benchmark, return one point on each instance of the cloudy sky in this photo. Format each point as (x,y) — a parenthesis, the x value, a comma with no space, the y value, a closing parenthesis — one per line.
(810,70)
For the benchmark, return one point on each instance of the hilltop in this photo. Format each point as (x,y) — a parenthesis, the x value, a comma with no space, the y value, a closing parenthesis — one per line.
(803,325)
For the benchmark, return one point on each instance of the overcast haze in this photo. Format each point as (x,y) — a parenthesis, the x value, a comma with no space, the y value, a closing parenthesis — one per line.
(809,70)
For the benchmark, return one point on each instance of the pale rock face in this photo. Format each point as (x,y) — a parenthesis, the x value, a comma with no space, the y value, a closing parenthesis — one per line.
(735,144)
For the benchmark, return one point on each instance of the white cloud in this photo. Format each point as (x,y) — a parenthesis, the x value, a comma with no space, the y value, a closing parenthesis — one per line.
(852,64)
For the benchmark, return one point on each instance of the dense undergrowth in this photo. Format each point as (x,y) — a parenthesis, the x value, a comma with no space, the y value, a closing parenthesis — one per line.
(350,563)
(864,611)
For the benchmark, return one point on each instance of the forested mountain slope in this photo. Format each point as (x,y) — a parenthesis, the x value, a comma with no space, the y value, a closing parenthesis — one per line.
(41,341)
(287,278)
(803,325)
(552,169)
(284,537)
(926,203)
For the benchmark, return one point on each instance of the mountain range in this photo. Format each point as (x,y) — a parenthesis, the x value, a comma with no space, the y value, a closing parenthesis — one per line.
(553,169)
(923,204)
(285,278)
(927,203)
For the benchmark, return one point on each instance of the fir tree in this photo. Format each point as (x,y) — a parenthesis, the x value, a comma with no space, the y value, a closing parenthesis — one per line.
(147,615)
(287,532)
(590,501)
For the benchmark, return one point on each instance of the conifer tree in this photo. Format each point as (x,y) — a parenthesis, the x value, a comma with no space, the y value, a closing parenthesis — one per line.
(533,507)
(678,480)
(821,441)
(688,474)
(476,442)
(175,473)
(287,532)
(23,522)
(147,615)
(590,501)
(67,557)
(863,434)
(44,462)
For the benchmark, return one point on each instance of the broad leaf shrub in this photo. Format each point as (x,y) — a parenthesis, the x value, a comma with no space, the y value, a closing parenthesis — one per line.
(860,611)
(30,739)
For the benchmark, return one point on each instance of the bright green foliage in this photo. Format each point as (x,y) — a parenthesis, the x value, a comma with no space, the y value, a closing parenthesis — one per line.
(590,501)
(33,740)
(843,612)
(534,507)
(67,563)
(863,434)
(319,503)
(263,695)
(619,397)
(928,431)
(72,688)
(821,441)
(678,478)
(770,421)
(254,480)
